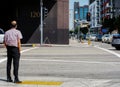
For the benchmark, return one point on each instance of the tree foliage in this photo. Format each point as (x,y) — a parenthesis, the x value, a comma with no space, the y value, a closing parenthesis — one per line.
(71,31)
(117,23)
(111,23)
(83,30)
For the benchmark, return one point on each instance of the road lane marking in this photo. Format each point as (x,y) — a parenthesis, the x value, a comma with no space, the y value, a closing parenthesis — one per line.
(2,60)
(114,53)
(28,49)
(70,61)
(58,83)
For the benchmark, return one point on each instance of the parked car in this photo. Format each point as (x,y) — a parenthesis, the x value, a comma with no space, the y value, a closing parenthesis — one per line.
(116,41)
(98,37)
(105,38)
(109,40)
(1,35)
(91,37)
(87,36)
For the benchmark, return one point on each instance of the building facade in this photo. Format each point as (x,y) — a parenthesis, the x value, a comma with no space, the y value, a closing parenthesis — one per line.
(76,11)
(116,8)
(27,13)
(95,11)
(101,10)
(76,14)
(83,12)
(80,13)
(104,8)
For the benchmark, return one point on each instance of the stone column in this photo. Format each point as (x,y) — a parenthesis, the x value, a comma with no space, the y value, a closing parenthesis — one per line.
(63,21)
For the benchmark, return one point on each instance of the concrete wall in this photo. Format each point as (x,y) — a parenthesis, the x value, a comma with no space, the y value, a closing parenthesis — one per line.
(56,25)
(27,14)
(63,21)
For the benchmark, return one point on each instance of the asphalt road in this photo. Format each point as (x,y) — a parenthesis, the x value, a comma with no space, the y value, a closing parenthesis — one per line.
(74,65)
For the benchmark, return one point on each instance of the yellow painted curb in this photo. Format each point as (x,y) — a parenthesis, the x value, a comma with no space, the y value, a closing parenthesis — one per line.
(33,45)
(89,42)
(41,82)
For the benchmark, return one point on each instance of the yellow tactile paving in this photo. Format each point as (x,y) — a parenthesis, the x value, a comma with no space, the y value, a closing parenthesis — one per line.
(42,82)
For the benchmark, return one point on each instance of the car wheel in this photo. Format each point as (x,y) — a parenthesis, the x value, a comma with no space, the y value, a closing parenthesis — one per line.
(117,48)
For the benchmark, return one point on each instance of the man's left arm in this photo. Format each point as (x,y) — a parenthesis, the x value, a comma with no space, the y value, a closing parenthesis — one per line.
(19,45)
(19,40)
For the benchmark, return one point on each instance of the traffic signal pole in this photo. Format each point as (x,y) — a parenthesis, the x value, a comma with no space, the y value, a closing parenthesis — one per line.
(41,22)
(89,19)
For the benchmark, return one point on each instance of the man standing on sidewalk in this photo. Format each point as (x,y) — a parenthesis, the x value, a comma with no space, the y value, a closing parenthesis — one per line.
(12,41)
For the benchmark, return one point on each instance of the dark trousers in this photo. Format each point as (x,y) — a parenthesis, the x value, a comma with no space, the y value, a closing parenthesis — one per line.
(13,55)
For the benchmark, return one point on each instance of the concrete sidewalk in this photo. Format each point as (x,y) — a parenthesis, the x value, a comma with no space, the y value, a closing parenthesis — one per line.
(72,42)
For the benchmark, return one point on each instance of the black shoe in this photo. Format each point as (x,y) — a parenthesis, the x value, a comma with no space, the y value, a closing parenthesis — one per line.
(9,80)
(17,81)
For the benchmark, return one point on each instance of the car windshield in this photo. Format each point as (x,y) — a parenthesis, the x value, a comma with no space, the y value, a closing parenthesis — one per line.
(93,34)
(106,35)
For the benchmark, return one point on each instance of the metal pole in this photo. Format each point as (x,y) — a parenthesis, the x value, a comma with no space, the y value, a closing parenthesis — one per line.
(41,21)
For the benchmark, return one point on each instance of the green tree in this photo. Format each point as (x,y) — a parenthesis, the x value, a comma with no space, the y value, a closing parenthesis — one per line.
(110,23)
(76,29)
(105,23)
(84,30)
(71,31)
(117,23)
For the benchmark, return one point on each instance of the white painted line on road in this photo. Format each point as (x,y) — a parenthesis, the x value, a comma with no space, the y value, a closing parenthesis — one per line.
(2,60)
(28,49)
(114,53)
(70,61)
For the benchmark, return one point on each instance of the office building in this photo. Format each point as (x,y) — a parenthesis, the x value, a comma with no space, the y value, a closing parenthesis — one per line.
(80,13)
(83,12)
(27,13)
(94,9)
